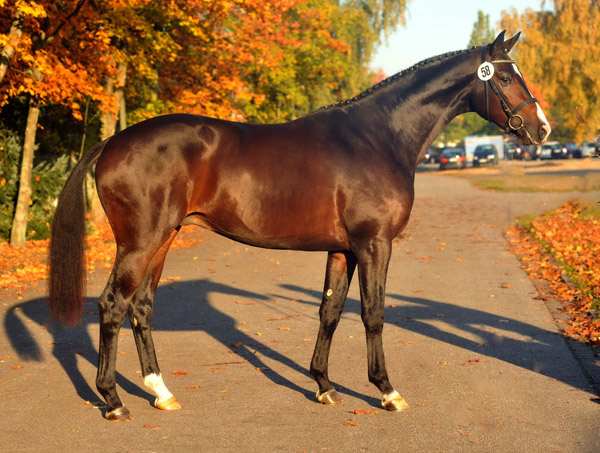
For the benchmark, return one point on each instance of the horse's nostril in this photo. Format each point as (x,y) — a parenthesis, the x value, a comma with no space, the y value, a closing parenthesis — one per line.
(544,132)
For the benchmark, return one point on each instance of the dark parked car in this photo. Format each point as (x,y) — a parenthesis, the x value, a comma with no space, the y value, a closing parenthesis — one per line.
(452,158)
(485,154)
(432,155)
(550,150)
(521,152)
(567,151)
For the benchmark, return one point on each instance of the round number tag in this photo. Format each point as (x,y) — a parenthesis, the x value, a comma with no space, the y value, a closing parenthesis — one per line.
(485,71)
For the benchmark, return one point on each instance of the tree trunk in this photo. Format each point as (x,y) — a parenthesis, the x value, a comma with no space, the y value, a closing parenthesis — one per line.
(19,225)
(9,50)
(109,118)
(122,113)
(107,129)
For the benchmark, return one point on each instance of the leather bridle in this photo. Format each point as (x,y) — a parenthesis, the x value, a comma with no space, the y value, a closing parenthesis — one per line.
(514,122)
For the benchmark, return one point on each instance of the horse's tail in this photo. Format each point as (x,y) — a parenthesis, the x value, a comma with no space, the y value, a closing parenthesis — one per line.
(67,263)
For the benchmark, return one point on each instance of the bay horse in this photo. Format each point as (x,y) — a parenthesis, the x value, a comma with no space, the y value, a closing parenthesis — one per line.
(340,180)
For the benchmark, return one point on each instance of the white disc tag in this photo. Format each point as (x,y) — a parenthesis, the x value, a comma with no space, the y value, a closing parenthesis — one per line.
(485,71)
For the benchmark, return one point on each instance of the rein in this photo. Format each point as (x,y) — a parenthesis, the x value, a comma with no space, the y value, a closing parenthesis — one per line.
(511,125)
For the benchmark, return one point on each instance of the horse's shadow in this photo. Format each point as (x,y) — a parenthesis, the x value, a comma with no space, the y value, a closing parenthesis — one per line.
(507,339)
(180,306)
(184,306)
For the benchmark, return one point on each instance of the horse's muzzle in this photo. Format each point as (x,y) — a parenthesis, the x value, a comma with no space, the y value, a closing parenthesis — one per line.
(543,133)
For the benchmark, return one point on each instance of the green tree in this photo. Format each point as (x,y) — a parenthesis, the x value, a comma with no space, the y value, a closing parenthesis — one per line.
(482,33)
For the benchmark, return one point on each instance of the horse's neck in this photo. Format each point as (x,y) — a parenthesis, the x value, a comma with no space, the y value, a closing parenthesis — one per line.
(415,108)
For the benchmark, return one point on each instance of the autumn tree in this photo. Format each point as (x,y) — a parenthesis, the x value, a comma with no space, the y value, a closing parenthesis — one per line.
(558,53)
(46,70)
(263,61)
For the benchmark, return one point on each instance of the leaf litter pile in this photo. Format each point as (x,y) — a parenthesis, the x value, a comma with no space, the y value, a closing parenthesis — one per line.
(22,266)
(562,249)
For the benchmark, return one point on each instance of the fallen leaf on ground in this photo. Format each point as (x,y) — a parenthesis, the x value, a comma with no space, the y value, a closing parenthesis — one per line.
(562,249)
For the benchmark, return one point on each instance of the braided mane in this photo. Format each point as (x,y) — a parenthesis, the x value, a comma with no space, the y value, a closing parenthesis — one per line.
(397,77)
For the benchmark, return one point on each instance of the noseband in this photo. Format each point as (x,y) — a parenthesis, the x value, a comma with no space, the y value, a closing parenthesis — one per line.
(514,122)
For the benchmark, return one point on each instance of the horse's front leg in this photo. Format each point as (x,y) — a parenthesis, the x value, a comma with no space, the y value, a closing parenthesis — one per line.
(373,260)
(340,268)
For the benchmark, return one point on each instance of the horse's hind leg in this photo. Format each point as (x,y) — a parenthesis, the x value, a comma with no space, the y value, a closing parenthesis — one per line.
(340,268)
(114,305)
(140,316)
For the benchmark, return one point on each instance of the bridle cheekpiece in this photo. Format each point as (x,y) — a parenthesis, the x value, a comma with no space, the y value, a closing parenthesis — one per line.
(485,72)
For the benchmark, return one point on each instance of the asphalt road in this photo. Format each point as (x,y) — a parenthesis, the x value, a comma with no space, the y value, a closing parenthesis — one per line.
(469,347)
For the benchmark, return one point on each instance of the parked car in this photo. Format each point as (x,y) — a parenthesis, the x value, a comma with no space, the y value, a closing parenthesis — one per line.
(590,149)
(549,150)
(521,152)
(534,151)
(485,154)
(566,151)
(453,158)
(432,155)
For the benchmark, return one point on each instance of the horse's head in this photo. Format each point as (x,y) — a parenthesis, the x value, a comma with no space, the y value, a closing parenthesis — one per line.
(502,97)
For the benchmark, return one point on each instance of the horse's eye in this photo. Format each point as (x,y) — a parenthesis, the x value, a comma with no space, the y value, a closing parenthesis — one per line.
(505,80)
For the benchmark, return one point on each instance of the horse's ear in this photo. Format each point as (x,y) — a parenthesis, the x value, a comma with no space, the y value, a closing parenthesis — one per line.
(498,43)
(508,45)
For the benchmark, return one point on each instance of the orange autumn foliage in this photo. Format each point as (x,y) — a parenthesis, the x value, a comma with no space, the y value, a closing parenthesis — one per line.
(562,248)
(20,267)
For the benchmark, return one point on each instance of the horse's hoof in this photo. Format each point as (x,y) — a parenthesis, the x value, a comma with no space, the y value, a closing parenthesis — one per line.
(120,414)
(170,404)
(329,397)
(394,402)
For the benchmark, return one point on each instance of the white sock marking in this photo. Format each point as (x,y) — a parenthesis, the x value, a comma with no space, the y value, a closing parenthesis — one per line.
(390,396)
(155,383)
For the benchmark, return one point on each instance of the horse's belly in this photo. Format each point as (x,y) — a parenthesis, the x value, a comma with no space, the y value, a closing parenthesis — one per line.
(275,233)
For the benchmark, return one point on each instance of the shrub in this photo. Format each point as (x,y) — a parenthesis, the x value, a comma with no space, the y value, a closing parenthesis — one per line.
(48,178)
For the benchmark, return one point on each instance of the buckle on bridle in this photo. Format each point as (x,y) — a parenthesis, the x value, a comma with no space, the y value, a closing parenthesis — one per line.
(515,127)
